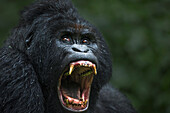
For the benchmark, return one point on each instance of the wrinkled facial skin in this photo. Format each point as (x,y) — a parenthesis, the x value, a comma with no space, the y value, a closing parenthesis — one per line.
(77,45)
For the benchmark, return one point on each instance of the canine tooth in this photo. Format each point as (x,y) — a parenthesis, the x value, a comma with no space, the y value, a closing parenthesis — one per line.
(71,69)
(83,97)
(95,70)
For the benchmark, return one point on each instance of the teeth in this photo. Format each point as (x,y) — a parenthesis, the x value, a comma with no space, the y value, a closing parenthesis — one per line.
(82,63)
(71,69)
(67,102)
(80,103)
(95,70)
(85,102)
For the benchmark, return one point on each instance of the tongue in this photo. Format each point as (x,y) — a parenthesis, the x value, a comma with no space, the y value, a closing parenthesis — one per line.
(72,90)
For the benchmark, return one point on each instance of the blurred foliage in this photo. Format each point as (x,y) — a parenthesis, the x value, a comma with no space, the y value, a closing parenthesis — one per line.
(138,34)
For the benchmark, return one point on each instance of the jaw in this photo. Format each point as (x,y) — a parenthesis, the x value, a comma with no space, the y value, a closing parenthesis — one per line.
(75,85)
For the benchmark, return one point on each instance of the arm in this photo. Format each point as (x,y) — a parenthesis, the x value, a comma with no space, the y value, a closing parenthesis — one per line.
(20,91)
(112,101)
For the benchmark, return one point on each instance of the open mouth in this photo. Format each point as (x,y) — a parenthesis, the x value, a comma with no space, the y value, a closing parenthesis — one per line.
(75,84)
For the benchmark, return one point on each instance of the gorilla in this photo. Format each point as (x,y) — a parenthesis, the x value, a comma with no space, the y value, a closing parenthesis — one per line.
(57,62)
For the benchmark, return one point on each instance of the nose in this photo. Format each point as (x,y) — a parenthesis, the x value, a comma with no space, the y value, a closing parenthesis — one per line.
(80,48)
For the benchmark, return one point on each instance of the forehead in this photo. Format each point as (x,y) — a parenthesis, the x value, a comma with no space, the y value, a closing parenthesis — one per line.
(79,28)
(76,28)
(72,25)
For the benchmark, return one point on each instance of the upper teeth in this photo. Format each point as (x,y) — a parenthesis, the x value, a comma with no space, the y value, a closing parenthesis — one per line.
(83,63)
(71,68)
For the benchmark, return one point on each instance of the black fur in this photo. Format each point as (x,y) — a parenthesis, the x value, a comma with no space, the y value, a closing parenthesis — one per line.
(31,62)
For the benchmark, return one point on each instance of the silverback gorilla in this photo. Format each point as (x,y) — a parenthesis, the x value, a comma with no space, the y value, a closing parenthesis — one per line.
(57,62)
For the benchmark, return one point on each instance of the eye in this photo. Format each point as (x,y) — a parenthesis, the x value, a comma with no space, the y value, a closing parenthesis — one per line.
(66,38)
(85,41)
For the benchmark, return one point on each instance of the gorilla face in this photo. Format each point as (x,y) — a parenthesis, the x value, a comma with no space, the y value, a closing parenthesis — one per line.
(80,64)
(68,54)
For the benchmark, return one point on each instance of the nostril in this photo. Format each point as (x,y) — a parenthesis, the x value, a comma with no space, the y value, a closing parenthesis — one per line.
(80,50)
(86,50)
(76,49)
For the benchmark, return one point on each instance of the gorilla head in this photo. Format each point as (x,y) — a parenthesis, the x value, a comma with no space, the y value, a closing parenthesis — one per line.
(67,53)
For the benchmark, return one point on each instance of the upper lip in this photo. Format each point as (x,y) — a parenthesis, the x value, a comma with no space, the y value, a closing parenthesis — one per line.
(73,58)
(82,63)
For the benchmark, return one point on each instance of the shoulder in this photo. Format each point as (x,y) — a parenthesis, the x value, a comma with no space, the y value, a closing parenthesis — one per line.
(112,101)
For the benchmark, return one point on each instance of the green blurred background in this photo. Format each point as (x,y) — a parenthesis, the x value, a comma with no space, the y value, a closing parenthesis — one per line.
(138,34)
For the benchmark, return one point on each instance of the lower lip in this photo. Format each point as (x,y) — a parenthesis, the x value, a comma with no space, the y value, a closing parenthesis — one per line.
(69,109)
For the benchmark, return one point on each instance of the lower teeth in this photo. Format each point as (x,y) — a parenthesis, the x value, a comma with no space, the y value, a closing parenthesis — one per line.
(75,104)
